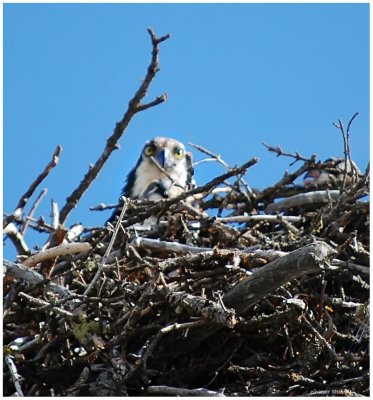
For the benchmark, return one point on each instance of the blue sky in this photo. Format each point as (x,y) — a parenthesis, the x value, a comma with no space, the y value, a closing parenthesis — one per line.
(237,75)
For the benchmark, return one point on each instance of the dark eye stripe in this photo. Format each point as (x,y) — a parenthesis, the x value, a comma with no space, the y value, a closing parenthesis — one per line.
(178,151)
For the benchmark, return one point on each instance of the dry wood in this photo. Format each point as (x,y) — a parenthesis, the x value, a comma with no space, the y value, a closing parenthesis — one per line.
(214,298)
(305,199)
(167,247)
(20,271)
(306,260)
(17,239)
(134,106)
(174,391)
(63,249)
(17,214)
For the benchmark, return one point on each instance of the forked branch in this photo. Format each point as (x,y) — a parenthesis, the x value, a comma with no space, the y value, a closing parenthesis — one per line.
(134,106)
(17,214)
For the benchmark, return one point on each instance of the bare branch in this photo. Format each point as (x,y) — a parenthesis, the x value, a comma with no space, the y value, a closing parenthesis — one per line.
(23,272)
(218,158)
(32,211)
(134,107)
(346,151)
(26,196)
(278,150)
(17,239)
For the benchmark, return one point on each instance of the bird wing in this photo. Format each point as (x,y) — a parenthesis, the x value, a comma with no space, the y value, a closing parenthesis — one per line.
(130,180)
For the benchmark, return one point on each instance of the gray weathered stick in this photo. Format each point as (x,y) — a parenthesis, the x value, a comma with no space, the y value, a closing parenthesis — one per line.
(22,272)
(306,260)
(303,199)
(169,247)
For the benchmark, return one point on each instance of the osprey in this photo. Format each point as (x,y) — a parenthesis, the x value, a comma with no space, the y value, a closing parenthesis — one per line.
(163,170)
(319,177)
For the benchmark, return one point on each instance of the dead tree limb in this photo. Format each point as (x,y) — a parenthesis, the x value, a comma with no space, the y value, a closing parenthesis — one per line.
(17,239)
(22,272)
(17,213)
(306,260)
(134,107)
(61,250)
(303,199)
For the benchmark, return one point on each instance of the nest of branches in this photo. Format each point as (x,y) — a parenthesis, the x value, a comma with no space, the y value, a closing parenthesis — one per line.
(222,291)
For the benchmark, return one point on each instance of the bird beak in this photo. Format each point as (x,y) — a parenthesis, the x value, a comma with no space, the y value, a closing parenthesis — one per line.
(164,158)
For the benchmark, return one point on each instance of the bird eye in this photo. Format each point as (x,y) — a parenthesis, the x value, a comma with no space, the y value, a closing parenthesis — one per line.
(148,151)
(178,152)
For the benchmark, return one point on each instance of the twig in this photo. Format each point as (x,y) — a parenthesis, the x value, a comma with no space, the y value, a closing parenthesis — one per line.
(351,266)
(288,178)
(278,150)
(35,205)
(54,214)
(218,158)
(134,107)
(203,161)
(260,217)
(110,246)
(321,338)
(103,207)
(26,196)
(45,305)
(159,166)
(346,151)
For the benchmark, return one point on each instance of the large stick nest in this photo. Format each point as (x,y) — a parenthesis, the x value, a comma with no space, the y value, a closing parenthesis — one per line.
(163,314)
(224,290)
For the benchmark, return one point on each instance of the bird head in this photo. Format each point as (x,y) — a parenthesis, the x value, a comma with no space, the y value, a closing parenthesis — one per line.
(164,152)
(162,160)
